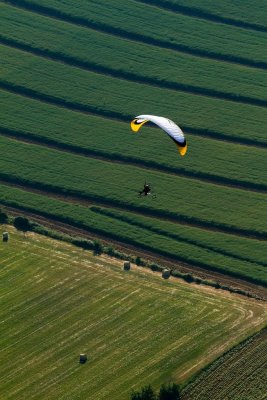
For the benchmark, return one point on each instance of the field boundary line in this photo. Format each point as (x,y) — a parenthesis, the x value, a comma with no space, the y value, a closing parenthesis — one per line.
(130,76)
(137,37)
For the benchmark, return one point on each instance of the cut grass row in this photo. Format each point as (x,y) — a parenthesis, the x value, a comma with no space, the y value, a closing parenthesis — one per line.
(178,198)
(217,161)
(90,49)
(243,14)
(83,90)
(141,236)
(137,21)
(57,301)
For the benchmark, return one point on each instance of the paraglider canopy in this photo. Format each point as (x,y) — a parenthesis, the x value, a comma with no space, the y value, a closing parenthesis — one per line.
(173,130)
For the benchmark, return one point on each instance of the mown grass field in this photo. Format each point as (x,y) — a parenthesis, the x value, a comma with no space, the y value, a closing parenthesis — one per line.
(58,301)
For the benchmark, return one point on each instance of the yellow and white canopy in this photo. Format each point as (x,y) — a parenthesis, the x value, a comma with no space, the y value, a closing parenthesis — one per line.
(173,130)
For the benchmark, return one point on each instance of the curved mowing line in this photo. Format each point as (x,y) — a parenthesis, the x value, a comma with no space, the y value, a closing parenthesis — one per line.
(60,15)
(87,109)
(130,76)
(173,235)
(201,14)
(134,161)
(74,196)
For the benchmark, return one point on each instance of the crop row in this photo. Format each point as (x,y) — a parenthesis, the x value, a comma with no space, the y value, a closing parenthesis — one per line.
(237,375)
(244,14)
(83,217)
(94,50)
(88,91)
(137,21)
(179,198)
(217,161)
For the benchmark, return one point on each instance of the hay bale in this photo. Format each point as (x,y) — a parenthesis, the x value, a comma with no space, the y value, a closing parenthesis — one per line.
(83,358)
(127,266)
(166,273)
(5,236)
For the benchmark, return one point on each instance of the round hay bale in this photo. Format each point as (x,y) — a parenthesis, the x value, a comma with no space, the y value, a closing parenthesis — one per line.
(166,273)
(83,358)
(127,266)
(5,236)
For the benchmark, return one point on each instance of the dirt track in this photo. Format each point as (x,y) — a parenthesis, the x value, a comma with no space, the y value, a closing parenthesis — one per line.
(131,250)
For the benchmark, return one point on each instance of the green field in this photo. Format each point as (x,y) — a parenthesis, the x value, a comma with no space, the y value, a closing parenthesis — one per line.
(82,90)
(75,74)
(137,21)
(45,169)
(94,52)
(150,149)
(58,301)
(247,13)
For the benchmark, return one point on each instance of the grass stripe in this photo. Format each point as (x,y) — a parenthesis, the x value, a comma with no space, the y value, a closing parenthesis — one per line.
(134,34)
(171,231)
(54,101)
(131,77)
(59,85)
(30,32)
(43,170)
(245,12)
(120,159)
(203,13)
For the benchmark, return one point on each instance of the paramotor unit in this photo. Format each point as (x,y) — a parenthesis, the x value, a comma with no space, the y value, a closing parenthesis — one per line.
(146,191)
(172,130)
